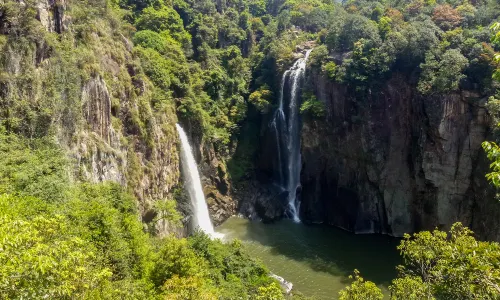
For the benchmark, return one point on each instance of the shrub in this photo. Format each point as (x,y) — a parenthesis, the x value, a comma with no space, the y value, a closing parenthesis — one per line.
(330,69)
(41,258)
(261,99)
(312,106)
(360,290)
(442,73)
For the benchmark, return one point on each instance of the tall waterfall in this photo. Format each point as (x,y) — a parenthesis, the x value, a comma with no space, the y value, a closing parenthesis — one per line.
(201,218)
(286,125)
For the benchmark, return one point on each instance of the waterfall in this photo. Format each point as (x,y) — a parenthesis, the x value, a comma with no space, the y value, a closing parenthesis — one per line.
(201,217)
(286,125)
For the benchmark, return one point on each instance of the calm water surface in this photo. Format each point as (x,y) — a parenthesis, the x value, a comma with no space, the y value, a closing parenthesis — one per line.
(316,259)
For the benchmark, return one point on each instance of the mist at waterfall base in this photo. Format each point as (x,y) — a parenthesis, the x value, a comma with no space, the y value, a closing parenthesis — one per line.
(286,127)
(200,217)
(316,259)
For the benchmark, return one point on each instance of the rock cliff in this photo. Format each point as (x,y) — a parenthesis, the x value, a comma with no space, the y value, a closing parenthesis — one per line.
(92,97)
(396,161)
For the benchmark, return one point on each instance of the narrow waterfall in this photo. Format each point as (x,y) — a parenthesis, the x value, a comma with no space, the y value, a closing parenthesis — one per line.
(286,125)
(201,217)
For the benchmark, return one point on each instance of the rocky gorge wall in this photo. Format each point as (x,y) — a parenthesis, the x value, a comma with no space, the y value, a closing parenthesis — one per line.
(92,98)
(396,162)
(101,108)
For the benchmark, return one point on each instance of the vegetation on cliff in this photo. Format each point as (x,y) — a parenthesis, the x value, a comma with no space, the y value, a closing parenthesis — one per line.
(116,75)
(445,45)
(64,240)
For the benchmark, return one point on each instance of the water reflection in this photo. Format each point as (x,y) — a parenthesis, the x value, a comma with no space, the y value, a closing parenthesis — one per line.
(316,259)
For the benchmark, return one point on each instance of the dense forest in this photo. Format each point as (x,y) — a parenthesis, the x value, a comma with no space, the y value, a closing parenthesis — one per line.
(91,200)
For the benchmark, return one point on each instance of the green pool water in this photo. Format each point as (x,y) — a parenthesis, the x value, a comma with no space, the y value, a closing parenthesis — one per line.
(316,259)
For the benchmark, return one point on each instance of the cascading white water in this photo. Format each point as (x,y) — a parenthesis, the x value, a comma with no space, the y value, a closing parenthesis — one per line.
(201,217)
(287,128)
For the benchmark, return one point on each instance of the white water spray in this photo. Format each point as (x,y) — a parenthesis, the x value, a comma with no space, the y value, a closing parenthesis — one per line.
(287,128)
(201,217)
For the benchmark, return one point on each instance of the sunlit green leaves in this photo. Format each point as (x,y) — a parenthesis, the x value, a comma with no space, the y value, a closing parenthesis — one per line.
(35,168)
(450,265)
(493,153)
(410,288)
(41,258)
(439,265)
(166,211)
(312,106)
(360,290)
(442,72)
(271,292)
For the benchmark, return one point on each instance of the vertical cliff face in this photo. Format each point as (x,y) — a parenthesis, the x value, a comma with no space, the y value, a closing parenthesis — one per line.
(83,85)
(67,71)
(397,161)
(109,145)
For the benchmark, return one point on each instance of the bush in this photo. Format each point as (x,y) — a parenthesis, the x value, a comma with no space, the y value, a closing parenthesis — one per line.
(360,290)
(41,258)
(34,168)
(442,73)
(261,99)
(318,56)
(163,19)
(330,69)
(175,257)
(107,216)
(312,106)
(439,265)
(354,28)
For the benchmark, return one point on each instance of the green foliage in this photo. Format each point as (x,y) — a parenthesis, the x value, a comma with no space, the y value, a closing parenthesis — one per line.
(310,15)
(175,257)
(162,43)
(167,211)
(230,267)
(156,67)
(161,20)
(40,258)
(90,244)
(439,265)
(204,60)
(411,288)
(493,105)
(441,43)
(355,27)
(107,216)
(330,69)
(452,266)
(360,289)
(318,56)
(210,90)
(188,288)
(261,99)
(35,168)
(493,152)
(312,106)
(257,7)
(384,26)
(442,73)
(270,292)
(495,28)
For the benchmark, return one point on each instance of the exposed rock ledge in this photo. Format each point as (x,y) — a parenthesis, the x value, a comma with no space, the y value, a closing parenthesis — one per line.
(285,285)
